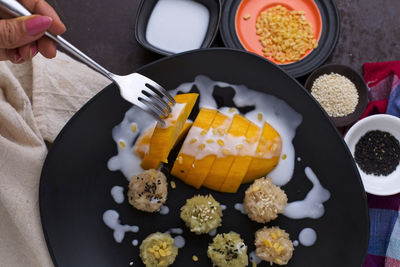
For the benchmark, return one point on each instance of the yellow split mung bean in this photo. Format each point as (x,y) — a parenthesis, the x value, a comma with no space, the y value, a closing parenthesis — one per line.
(285,35)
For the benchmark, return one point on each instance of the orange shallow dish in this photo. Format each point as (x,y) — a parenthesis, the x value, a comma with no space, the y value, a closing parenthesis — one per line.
(246,29)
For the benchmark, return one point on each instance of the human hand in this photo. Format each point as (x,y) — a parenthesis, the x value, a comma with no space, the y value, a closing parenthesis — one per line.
(22,38)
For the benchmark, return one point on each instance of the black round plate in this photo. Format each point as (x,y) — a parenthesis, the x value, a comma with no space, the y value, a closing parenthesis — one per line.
(75,183)
(326,44)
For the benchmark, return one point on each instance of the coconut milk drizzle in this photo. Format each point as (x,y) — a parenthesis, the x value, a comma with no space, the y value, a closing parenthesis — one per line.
(111,219)
(312,206)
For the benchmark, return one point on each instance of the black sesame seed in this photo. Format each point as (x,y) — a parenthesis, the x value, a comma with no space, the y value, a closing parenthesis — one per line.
(377,153)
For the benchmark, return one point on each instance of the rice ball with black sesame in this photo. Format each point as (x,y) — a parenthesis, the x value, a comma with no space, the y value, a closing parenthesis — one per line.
(148,191)
(201,214)
(158,249)
(228,250)
(263,200)
(273,245)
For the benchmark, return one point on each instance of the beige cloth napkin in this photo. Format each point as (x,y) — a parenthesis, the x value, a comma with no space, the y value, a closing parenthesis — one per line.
(36,99)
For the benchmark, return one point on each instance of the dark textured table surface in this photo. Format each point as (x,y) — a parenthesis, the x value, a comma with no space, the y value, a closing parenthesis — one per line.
(105,30)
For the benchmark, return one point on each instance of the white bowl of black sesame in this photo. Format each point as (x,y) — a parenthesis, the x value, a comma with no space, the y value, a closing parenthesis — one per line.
(374,143)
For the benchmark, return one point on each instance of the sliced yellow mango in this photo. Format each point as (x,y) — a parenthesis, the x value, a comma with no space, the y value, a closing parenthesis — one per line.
(163,139)
(270,142)
(202,166)
(183,163)
(241,163)
(222,165)
(143,142)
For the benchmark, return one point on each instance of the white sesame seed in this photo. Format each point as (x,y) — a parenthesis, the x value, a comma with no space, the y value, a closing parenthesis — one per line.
(336,94)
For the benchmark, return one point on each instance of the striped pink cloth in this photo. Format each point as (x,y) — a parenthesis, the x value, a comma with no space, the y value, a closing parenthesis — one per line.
(383,80)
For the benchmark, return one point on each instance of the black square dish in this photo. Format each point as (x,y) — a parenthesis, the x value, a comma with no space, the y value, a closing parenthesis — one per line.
(146,8)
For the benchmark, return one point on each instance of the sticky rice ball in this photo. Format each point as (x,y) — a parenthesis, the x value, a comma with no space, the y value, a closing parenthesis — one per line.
(148,191)
(273,245)
(201,214)
(228,250)
(263,200)
(157,250)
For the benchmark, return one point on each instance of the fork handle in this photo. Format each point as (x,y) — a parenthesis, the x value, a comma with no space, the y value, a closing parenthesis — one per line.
(15,9)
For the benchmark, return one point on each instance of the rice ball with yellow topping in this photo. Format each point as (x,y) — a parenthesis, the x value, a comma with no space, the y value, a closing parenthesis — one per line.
(158,250)
(263,200)
(148,190)
(201,214)
(273,245)
(228,250)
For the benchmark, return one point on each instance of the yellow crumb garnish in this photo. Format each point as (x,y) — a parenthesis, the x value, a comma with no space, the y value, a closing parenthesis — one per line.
(180,159)
(226,152)
(246,17)
(239,146)
(232,110)
(254,264)
(284,156)
(220,142)
(204,132)
(210,141)
(259,116)
(194,140)
(202,146)
(133,127)
(267,243)
(173,186)
(122,144)
(195,258)
(256,188)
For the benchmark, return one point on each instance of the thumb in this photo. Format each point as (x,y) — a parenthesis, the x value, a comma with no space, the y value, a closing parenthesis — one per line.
(23,30)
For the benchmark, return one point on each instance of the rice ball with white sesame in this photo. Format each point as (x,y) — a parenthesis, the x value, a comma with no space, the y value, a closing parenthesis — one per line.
(148,190)
(201,214)
(273,245)
(263,200)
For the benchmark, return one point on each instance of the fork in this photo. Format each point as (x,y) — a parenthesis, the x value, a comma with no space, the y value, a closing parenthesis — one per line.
(135,88)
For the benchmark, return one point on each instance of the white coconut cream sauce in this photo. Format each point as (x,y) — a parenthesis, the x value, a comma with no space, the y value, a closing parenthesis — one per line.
(307,237)
(312,206)
(177,25)
(164,210)
(111,219)
(117,193)
(175,231)
(254,258)
(240,207)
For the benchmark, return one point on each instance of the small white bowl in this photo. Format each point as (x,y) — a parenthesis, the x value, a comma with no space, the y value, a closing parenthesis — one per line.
(377,185)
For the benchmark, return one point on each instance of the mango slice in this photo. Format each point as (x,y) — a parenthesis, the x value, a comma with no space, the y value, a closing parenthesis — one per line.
(241,164)
(183,163)
(222,165)
(142,144)
(163,139)
(270,142)
(202,166)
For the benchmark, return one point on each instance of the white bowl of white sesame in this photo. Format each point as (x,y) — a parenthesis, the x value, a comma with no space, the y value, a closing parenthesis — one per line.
(341,92)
